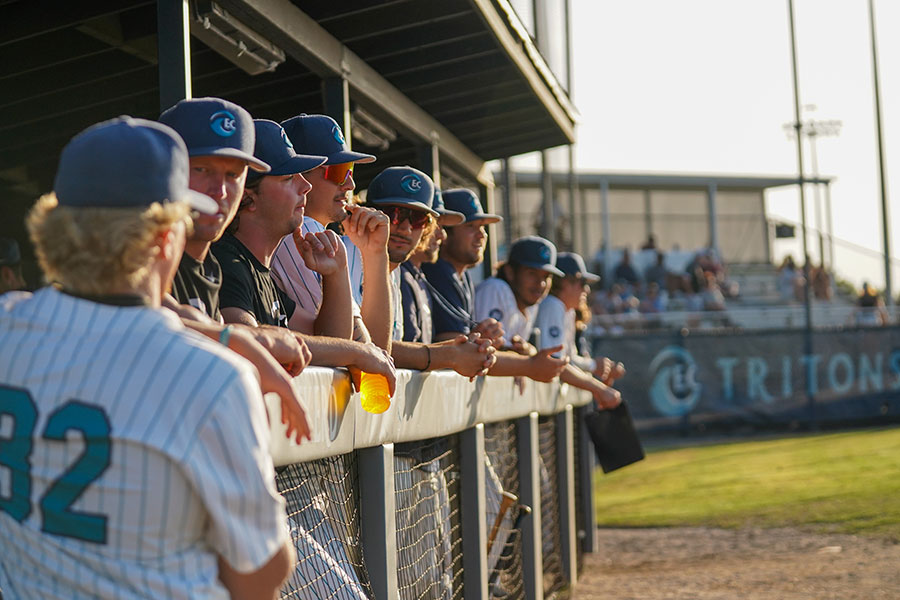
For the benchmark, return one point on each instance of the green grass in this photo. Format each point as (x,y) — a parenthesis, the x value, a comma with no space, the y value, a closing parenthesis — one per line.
(842,482)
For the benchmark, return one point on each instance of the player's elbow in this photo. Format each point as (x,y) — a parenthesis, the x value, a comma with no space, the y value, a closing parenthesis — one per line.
(262,584)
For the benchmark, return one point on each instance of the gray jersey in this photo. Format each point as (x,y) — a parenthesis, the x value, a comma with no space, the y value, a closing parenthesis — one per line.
(132,453)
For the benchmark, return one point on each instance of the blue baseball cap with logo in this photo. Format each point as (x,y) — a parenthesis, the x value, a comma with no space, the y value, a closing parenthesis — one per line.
(447,218)
(571,264)
(126,163)
(536,252)
(214,127)
(466,202)
(322,136)
(275,148)
(402,186)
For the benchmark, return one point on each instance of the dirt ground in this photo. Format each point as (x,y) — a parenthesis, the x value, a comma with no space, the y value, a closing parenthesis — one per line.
(747,564)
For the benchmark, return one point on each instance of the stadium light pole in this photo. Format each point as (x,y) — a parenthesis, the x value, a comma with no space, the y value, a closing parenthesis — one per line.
(807,302)
(885,216)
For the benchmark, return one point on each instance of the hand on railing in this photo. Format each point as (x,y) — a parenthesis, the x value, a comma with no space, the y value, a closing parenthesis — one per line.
(606,397)
(470,356)
(491,329)
(607,371)
(544,367)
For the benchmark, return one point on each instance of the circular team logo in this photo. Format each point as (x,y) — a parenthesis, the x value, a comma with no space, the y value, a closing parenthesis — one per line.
(544,253)
(674,390)
(337,135)
(411,184)
(286,139)
(554,331)
(223,123)
(496,314)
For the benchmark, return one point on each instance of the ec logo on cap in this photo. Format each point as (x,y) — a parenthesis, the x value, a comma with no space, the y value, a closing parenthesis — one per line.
(544,253)
(222,123)
(337,135)
(411,184)
(286,139)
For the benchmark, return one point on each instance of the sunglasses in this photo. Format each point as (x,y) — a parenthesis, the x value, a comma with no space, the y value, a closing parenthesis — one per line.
(398,214)
(339,174)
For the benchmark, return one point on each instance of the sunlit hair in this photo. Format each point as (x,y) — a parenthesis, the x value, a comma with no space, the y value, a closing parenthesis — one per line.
(557,283)
(98,250)
(427,231)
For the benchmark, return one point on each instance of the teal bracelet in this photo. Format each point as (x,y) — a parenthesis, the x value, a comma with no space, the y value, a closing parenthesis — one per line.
(225,335)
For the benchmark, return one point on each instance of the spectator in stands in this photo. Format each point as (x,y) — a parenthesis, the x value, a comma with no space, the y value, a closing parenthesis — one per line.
(653,301)
(624,271)
(650,244)
(790,281)
(417,299)
(870,307)
(405,195)
(556,322)
(10,266)
(658,273)
(820,280)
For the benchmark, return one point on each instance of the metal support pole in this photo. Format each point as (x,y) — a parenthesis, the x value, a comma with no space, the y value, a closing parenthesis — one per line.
(885,215)
(830,223)
(713,218)
(587,249)
(530,494)
(573,189)
(429,158)
(565,468)
(509,184)
(378,519)
(648,214)
(547,229)
(173,49)
(586,477)
(607,235)
(473,511)
(817,196)
(807,302)
(490,251)
(336,104)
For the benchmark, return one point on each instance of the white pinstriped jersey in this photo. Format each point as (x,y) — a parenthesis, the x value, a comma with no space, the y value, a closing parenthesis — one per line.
(302,284)
(557,325)
(495,299)
(132,451)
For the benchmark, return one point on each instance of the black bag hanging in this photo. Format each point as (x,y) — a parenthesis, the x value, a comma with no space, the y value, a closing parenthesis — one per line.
(615,439)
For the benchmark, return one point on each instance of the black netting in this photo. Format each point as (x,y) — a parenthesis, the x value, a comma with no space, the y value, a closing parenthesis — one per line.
(550,538)
(429,536)
(502,491)
(323,515)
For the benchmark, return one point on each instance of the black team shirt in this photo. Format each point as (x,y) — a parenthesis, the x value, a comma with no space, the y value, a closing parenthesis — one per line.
(248,285)
(198,283)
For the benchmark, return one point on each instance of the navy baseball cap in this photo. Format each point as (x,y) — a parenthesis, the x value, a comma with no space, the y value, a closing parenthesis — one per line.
(571,263)
(447,218)
(214,127)
(466,202)
(536,252)
(126,163)
(9,252)
(322,136)
(402,186)
(274,147)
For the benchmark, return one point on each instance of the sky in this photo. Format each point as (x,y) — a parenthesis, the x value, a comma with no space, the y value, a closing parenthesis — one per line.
(705,86)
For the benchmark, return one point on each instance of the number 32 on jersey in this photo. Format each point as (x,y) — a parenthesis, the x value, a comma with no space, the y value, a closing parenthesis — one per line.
(58,518)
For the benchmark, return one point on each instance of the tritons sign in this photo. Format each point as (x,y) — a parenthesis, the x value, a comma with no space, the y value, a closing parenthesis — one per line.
(759,376)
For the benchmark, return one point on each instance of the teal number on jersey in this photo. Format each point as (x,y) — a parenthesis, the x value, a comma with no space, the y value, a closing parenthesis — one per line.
(58,518)
(15,451)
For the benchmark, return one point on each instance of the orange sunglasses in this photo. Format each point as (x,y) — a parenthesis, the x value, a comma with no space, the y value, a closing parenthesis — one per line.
(339,174)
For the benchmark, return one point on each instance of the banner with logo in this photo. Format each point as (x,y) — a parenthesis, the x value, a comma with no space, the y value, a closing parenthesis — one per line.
(759,378)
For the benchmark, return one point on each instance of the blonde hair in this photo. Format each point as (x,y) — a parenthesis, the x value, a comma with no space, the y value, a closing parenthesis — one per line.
(427,231)
(97,250)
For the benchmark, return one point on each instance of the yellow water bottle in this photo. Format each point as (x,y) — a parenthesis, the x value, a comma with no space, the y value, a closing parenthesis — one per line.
(374,393)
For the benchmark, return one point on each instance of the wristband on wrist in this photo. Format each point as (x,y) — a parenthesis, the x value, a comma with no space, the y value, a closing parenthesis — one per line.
(225,335)
(428,352)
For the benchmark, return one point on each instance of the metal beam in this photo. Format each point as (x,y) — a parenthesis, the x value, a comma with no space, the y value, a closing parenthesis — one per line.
(378,518)
(565,469)
(528,448)
(174,51)
(525,57)
(473,509)
(306,41)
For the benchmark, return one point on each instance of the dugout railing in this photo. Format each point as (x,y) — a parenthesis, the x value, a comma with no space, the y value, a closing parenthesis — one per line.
(460,490)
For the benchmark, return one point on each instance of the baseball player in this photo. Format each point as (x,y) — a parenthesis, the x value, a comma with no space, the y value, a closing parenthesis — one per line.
(416,297)
(137,461)
(319,296)
(512,297)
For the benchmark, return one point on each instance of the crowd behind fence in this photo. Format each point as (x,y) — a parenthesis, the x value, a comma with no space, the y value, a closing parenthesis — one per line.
(460,490)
